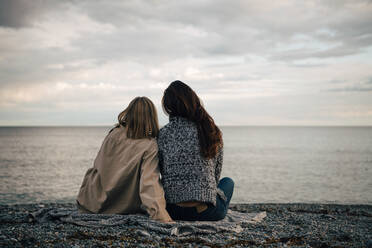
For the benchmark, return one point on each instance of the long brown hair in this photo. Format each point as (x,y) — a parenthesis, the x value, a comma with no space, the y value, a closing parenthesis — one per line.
(180,100)
(140,119)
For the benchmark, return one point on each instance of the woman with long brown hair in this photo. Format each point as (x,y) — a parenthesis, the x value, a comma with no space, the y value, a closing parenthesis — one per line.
(125,178)
(190,158)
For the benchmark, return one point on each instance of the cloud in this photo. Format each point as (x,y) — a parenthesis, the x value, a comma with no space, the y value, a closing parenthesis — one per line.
(364,86)
(58,54)
(352,89)
(23,13)
(212,28)
(15,13)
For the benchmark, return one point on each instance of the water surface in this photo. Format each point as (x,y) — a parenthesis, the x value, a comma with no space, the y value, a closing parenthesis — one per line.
(268,164)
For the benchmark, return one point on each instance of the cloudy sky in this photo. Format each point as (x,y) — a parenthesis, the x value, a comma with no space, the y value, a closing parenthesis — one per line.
(258,62)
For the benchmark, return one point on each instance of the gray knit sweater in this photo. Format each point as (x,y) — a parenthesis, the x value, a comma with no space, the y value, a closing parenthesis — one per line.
(186,174)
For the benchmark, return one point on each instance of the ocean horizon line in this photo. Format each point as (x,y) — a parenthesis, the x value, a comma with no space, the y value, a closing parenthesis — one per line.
(248,125)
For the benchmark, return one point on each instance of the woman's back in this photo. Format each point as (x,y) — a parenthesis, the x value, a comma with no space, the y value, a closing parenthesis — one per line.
(125,177)
(190,158)
(111,186)
(186,174)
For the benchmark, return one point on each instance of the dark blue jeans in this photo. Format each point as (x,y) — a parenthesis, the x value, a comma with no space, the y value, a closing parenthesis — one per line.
(217,212)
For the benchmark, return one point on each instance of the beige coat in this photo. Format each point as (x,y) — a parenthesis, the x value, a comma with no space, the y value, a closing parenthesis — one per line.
(125,179)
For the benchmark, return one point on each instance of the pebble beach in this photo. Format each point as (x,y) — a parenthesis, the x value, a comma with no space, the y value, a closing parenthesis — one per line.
(286,225)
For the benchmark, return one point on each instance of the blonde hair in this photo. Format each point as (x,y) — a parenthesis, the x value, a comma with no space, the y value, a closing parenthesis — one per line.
(140,119)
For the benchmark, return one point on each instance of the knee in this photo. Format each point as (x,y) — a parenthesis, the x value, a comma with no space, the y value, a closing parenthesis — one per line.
(227,181)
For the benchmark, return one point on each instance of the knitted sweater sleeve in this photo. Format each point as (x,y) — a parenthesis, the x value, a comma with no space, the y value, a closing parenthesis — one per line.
(219,162)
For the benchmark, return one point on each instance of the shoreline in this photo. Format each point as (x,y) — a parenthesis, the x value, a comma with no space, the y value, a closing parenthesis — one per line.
(286,224)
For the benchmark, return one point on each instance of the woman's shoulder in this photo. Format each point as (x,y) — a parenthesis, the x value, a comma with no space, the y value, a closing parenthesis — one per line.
(148,142)
(146,146)
(115,134)
(183,134)
(118,135)
(178,125)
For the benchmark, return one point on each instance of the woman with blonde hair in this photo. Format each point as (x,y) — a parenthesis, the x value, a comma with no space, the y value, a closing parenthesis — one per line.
(125,177)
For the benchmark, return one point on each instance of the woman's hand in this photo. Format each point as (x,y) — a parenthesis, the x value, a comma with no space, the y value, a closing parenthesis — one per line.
(168,221)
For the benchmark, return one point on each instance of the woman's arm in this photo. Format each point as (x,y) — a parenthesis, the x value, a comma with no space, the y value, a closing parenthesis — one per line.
(219,162)
(151,190)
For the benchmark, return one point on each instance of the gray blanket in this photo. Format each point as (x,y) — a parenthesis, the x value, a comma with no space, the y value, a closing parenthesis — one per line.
(231,223)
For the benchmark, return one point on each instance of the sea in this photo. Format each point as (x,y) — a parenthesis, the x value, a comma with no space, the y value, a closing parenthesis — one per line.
(269,164)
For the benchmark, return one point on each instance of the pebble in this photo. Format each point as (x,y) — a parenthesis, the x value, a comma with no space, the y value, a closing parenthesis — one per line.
(285,224)
(143,233)
(156,237)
